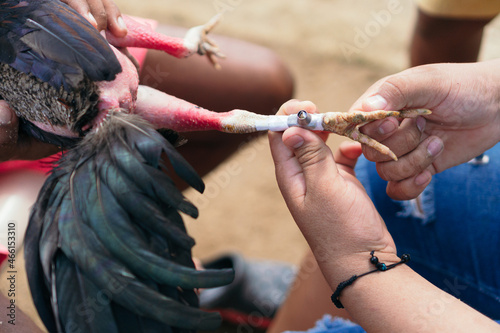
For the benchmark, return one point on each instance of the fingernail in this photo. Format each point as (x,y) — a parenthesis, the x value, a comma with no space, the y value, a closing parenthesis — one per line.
(421,123)
(376,102)
(435,147)
(295,141)
(92,19)
(121,23)
(387,127)
(423,178)
(5,116)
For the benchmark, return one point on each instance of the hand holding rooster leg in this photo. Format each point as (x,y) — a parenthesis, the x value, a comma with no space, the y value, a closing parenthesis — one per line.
(315,187)
(102,14)
(464,123)
(343,227)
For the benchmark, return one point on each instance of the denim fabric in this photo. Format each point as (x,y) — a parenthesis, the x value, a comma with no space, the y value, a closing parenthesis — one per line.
(327,324)
(452,231)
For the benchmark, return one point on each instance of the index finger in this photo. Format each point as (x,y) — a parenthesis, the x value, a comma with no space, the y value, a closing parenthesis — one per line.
(116,25)
(293,106)
(82,8)
(401,141)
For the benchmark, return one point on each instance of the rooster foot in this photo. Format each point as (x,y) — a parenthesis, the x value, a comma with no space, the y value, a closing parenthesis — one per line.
(197,40)
(349,123)
(342,123)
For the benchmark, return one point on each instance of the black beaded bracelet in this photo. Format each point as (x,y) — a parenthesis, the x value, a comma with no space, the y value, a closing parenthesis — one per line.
(380,267)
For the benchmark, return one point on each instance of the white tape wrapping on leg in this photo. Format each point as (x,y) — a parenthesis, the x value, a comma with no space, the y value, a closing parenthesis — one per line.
(281,123)
(272,123)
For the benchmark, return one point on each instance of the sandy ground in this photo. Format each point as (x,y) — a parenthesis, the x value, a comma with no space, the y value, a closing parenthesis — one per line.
(335,49)
(242,209)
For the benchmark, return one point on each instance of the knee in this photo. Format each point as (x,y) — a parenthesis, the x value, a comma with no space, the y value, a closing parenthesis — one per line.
(276,82)
(282,79)
(442,28)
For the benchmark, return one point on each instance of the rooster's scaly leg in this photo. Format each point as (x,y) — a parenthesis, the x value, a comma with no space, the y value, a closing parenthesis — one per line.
(165,111)
(196,40)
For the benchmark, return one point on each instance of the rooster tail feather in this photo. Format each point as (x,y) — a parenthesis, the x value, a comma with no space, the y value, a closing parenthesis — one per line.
(83,305)
(34,265)
(181,167)
(108,225)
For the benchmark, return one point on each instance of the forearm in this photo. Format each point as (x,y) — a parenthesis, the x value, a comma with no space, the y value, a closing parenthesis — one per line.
(400,300)
(343,227)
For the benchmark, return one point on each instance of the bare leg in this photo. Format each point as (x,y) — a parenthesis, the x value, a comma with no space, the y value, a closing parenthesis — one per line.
(252,78)
(18,192)
(440,39)
(308,301)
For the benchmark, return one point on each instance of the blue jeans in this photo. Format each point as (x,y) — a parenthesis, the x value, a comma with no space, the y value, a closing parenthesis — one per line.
(452,233)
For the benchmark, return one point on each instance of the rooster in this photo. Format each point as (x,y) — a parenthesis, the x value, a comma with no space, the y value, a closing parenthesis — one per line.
(106,227)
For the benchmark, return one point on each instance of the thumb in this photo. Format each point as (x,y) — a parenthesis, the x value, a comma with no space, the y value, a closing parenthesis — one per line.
(422,86)
(314,158)
(8,131)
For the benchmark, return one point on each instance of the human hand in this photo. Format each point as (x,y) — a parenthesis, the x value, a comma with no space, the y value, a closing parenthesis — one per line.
(328,203)
(102,14)
(12,146)
(465,121)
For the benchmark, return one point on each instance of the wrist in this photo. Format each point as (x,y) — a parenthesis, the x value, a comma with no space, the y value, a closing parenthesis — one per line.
(342,268)
(378,266)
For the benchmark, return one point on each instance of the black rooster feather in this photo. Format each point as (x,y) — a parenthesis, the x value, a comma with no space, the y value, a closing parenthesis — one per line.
(106,248)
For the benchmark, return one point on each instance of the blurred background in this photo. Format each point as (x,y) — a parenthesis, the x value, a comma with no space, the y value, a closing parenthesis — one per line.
(335,49)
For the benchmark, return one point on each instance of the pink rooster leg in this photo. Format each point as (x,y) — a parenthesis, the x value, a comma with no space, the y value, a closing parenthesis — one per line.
(142,35)
(166,111)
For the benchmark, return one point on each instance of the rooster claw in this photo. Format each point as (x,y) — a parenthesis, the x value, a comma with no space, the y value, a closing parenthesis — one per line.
(196,40)
(349,123)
